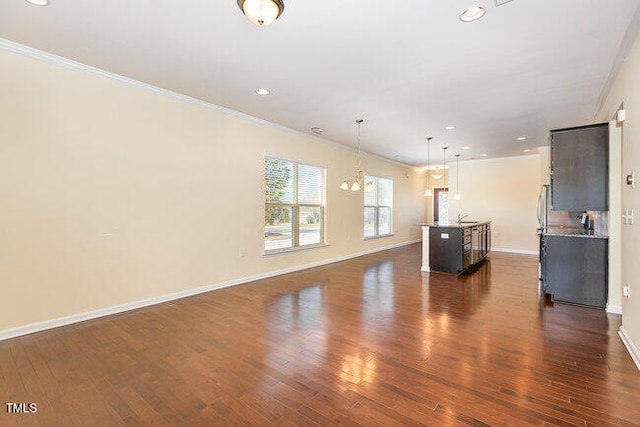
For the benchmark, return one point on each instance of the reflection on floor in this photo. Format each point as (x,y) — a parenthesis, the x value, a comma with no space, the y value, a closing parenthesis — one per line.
(366,341)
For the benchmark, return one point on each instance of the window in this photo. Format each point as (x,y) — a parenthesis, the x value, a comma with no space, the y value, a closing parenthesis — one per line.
(294,205)
(378,207)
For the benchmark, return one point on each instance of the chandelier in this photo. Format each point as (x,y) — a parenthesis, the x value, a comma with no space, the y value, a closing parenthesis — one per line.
(358,178)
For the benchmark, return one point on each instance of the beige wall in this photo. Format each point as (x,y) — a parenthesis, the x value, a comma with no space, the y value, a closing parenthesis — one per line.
(113,193)
(504,191)
(627,89)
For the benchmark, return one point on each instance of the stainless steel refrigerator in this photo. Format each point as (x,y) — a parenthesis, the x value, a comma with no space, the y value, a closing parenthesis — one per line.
(549,218)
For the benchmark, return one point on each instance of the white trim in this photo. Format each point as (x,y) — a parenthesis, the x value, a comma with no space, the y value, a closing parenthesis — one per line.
(294,249)
(377,236)
(64,62)
(426,250)
(614,309)
(514,251)
(81,317)
(621,55)
(631,348)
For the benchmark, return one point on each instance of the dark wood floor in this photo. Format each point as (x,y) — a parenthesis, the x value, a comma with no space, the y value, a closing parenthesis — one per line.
(368,341)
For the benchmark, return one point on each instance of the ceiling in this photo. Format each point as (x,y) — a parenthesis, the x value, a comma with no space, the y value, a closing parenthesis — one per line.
(408,68)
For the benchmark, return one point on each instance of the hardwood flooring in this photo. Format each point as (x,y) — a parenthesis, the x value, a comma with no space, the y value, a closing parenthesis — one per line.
(369,341)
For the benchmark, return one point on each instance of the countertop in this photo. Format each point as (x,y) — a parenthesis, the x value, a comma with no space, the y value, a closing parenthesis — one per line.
(464,224)
(574,232)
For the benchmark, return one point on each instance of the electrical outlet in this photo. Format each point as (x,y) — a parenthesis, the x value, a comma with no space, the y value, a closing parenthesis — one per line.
(627,218)
(626,291)
(241,252)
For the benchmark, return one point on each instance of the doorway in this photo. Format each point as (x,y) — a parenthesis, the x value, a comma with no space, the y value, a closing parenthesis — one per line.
(441,205)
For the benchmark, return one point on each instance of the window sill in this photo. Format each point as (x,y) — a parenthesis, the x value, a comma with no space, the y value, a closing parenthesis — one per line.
(380,236)
(296,249)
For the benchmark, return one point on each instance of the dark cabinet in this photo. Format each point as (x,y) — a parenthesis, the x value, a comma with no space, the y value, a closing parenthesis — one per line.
(575,269)
(580,168)
(455,249)
(446,249)
(481,238)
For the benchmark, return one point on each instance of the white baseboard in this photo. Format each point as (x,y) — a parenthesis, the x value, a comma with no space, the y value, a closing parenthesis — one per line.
(514,251)
(614,309)
(81,317)
(631,348)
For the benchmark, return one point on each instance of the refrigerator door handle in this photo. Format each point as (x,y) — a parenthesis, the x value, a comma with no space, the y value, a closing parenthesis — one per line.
(538,209)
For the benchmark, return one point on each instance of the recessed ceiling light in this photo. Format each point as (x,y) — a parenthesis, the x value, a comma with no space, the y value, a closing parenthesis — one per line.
(39,2)
(483,155)
(521,138)
(263,91)
(450,127)
(526,151)
(472,14)
(466,148)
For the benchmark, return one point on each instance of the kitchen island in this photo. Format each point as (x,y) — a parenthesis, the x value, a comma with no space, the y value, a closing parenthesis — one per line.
(455,248)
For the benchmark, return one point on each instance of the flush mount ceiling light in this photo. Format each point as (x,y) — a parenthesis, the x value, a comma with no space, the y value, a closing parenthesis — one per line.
(263,92)
(358,178)
(261,12)
(450,127)
(521,138)
(466,148)
(472,14)
(427,192)
(317,130)
(39,2)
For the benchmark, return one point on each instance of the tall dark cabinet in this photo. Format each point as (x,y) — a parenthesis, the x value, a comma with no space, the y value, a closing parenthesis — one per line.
(580,168)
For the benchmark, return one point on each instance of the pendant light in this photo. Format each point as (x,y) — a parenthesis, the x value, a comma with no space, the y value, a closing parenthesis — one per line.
(261,12)
(358,178)
(427,192)
(457,196)
(436,174)
(444,163)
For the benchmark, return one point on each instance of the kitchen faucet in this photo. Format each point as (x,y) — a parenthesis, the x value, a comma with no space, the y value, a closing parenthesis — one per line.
(461,217)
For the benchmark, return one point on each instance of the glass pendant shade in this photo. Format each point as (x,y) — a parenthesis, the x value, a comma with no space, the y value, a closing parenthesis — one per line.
(261,12)
(436,174)
(345,185)
(457,197)
(428,192)
(355,186)
(368,187)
